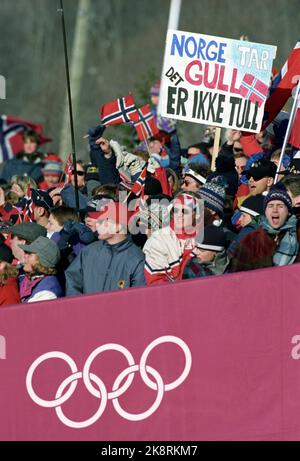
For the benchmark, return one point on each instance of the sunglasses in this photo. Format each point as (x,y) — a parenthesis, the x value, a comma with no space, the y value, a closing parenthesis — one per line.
(238,150)
(79,173)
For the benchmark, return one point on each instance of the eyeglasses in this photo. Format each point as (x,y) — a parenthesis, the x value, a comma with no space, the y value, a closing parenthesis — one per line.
(238,150)
(79,173)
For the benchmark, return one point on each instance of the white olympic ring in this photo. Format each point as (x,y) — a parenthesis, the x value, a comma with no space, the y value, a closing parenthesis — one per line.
(100,391)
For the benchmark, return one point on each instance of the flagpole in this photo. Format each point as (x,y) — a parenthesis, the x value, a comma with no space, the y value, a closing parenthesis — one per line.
(288,130)
(173,21)
(61,10)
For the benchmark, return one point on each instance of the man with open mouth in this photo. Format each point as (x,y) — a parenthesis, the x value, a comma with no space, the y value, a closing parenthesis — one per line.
(260,176)
(276,240)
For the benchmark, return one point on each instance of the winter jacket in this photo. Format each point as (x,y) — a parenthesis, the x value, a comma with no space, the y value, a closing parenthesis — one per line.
(239,237)
(108,172)
(195,269)
(40,288)
(225,168)
(9,292)
(69,197)
(23,164)
(166,255)
(256,251)
(104,267)
(10,213)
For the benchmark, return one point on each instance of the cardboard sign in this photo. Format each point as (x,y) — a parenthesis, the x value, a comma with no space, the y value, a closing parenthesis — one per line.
(215,81)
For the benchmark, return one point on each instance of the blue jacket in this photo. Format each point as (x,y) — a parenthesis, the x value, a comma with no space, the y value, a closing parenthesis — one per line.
(103,267)
(108,172)
(48,283)
(19,165)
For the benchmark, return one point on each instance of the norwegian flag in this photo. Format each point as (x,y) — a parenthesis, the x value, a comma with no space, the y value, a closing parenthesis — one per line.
(122,110)
(146,126)
(68,169)
(295,132)
(282,86)
(138,187)
(254,89)
(11,140)
(29,206)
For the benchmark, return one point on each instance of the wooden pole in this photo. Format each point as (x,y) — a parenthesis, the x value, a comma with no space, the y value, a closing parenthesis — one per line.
(215,148)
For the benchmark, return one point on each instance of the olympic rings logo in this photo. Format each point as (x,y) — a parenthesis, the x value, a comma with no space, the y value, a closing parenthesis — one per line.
(97,388)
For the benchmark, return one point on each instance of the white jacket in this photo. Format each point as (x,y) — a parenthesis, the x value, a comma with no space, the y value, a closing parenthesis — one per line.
(166,255)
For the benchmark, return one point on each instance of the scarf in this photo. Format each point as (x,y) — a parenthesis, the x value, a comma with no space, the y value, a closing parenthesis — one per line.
(28,285)
(287,250)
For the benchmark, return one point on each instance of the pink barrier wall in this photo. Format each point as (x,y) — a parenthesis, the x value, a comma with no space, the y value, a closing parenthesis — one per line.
(211,359)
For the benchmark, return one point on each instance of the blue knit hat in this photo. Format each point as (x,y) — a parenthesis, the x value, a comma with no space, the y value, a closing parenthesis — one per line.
(213,194)
(279,192)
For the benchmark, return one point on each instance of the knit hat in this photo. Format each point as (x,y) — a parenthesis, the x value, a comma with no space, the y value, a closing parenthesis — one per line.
(214,239)
(155,89)
(52,158)
(5,253)
(279,192)
(52,168)
(28,231)
(254,205)
(213,194)
(46,249)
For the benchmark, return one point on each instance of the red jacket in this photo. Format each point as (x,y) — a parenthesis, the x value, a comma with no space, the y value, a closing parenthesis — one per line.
(9,292)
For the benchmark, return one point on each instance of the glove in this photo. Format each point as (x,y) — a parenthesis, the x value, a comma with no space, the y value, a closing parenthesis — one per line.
(95,133)
(133,163)
(153,164)
(119,152)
